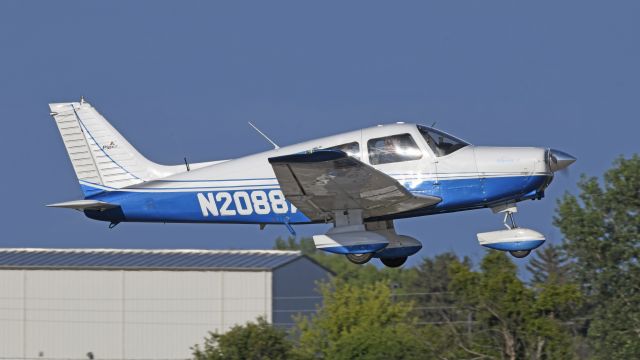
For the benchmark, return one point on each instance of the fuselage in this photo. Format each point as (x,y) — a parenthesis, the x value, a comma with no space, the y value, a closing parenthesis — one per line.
(424,160)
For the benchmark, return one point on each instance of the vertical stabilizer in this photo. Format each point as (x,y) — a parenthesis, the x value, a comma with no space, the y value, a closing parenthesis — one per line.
(101,157)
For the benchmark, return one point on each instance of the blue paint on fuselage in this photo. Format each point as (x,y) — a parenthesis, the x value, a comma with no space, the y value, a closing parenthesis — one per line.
(476,193)
(456,194)
(183,207)
(89,191)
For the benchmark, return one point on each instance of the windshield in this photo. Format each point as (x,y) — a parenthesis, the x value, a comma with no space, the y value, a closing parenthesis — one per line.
(442,144)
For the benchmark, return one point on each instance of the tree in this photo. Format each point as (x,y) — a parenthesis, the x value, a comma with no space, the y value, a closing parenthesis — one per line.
(430,289)
(601,229)
(512,321)
(252,341)
(360,322)
(550,264)
(305,245)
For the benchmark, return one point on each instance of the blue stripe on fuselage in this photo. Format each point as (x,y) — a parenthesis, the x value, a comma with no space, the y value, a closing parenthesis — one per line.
(186,207)
(456,194)
(465,193)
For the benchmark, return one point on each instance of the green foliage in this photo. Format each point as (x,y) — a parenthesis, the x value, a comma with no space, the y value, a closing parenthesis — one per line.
(360,322)
(254,341)
(549,264)
(512,321)
(602,233)
(430,289)
(305,245)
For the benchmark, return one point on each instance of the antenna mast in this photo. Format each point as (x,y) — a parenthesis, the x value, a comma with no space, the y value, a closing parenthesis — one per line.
(275,146)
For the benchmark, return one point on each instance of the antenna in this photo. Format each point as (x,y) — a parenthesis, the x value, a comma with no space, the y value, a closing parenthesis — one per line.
(434,123)
(186,163)
(275,146)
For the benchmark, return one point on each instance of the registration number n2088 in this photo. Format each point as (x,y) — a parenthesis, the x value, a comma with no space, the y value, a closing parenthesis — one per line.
(244,203)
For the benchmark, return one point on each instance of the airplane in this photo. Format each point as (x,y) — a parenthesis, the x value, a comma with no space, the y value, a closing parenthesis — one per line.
(359,181)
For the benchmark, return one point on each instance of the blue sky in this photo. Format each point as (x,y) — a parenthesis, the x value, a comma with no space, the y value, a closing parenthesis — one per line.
(183,78)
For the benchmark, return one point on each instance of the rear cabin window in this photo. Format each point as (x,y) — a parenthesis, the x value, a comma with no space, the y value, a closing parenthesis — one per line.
(352,149)
(392,149)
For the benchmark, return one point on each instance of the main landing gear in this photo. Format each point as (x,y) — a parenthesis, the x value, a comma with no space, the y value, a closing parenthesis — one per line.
(359,258)
(394,262)
(359,242)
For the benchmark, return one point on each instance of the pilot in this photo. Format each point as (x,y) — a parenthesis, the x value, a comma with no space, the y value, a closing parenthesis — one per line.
(388,151)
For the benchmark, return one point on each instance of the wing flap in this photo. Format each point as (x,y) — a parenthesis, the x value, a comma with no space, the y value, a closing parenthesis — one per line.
(324,181)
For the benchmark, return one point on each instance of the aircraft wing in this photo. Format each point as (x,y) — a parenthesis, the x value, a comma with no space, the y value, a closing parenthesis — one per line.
(85,205)
(324,181)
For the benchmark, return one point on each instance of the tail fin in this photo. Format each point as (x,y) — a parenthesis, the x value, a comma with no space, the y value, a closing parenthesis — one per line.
(101,157)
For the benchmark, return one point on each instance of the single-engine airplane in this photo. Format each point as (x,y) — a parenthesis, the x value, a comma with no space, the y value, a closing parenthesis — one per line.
(359,181)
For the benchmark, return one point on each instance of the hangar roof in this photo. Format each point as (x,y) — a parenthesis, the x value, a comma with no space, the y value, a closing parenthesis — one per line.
(121,259)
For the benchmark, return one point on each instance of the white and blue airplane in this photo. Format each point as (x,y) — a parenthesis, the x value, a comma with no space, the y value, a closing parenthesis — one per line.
(358,181)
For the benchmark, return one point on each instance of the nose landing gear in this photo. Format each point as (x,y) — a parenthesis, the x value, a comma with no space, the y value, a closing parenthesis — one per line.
(516,240)
(520,253)
(515,253)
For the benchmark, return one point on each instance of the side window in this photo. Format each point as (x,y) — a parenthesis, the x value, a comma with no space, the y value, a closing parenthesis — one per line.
(352,149)
(392,149)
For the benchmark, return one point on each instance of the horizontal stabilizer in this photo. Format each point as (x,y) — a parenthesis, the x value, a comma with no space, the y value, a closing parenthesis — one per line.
(85,205)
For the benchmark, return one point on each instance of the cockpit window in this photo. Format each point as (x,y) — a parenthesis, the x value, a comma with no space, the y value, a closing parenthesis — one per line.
(442,144)
(352,149)
(392,149)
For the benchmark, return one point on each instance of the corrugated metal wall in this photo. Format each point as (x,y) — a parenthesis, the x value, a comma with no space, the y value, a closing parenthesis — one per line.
(123,314)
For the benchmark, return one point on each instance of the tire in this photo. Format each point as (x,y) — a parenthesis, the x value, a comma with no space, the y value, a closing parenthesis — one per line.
(359,258)
(394,262)
(520,253)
